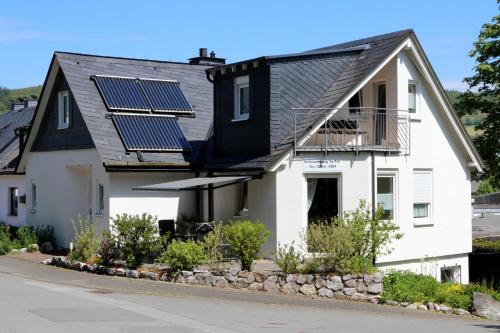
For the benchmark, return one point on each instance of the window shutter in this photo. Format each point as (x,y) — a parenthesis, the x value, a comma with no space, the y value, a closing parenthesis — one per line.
(422,186)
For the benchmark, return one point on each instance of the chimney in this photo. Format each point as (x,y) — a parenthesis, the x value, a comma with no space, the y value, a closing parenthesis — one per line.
(204,59)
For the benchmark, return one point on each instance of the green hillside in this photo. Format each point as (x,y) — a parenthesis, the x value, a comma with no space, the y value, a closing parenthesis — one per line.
(8,95)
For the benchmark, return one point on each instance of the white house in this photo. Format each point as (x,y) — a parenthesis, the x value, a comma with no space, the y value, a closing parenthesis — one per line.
(13,125)
(284,139)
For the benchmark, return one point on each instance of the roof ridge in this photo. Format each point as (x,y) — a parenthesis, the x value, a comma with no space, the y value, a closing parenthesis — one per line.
(126,58)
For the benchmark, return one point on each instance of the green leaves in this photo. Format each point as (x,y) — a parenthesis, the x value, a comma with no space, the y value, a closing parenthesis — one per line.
(245,239)
(182,256)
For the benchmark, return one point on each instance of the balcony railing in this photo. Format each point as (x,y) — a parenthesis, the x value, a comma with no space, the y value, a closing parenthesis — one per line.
(356,129)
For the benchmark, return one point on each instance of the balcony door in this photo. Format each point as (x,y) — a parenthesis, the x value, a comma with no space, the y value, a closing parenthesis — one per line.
(380,113)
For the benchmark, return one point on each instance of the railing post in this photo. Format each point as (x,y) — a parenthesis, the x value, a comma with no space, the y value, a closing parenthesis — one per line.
(357,130)
(294,134)
(326,135)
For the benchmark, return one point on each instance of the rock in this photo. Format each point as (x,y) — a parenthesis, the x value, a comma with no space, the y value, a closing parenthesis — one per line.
(422,307)
(231,278)
(259,277)
(445,309)
(191,280)
(393,303)
(346,277)
(66,264)
(308,290)
(319,283)
(33,248)
(221,282)
(405,304)
(367,279)
(290,288)
(271,286)
(361,288)
(377,277)
(256,286)
(430,306)
(186,273)
(243,274)
(132,274)
(485,306)
(46,247)
(359,297)
(437,307)
(350,283)
(461,312)
(325,292)
(111,271)
(149,275)
(290,278)
(335,283)
(164,277)
(242,283)
(374,299)
(412,306)
(310,279)
(47,261)
(301,279)
(375,288)
(349,291)
(234,271)
(23,250)
(120,272)
(14,251)
(250,278)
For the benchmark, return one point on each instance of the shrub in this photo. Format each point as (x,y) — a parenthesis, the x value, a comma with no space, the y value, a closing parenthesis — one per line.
(44,234)
(311,266)
(183,255)
(245,239)
(85,240)
(331,245)
(26,236)
(136,236)
(108,251)
(405,286)
(288,258)
(212,244)
(485,245)
(5,243)
(360,264)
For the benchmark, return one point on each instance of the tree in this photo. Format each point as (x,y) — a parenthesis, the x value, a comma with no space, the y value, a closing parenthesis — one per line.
(483,97)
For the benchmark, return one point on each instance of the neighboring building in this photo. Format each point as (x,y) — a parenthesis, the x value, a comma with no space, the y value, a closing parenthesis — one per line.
(305,136)
(13,126)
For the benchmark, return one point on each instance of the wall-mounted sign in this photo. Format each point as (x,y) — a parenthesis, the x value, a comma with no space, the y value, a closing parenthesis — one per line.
(320,165)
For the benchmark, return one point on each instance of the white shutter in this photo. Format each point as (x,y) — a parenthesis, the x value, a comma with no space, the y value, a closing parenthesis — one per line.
(422,186)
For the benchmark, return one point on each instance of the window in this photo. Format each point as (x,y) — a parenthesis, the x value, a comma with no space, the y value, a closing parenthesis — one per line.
(412,97)
(241,198)
(355,103)
(241,98)
(323,202)
(100,199)
(451,274)
(33,198)
(422,195)
(386,194)
(13,201)
(63,109)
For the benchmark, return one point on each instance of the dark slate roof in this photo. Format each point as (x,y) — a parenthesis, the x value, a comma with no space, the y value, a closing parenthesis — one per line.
(9,143)
(78,69)
(316,78)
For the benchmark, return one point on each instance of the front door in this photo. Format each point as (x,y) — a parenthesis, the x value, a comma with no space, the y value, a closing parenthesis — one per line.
(380,113)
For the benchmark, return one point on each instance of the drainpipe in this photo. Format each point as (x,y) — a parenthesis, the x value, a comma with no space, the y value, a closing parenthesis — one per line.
(210,201)
(374,178)
(199,202)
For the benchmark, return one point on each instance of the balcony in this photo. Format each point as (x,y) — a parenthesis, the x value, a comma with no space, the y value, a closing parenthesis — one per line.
(356,129)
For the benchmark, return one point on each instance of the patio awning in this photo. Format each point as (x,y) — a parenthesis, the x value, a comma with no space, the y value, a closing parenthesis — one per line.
(193,183)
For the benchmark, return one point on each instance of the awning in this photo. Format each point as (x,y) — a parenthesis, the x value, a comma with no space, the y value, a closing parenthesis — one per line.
(193,183)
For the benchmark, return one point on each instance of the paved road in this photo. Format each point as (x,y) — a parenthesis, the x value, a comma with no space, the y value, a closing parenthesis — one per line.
(36,298)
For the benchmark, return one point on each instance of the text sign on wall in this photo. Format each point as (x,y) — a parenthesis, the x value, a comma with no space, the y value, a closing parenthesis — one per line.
(320,165)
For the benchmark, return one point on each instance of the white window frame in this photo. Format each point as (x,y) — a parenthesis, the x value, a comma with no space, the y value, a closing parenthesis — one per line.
(417,97)
(100,202)
(395,198)
(63,115)
(338,176)
(240,82)
(422,221)
(33,197)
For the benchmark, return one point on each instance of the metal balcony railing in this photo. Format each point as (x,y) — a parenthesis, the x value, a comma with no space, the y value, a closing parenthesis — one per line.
(355,129)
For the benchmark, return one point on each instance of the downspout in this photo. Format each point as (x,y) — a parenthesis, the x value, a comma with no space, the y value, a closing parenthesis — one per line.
(199,202)
(373,184)
(210,201)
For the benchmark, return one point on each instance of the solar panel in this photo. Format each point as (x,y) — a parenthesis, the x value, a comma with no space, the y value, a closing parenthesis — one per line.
(122,93)
(165,96)
(150,133)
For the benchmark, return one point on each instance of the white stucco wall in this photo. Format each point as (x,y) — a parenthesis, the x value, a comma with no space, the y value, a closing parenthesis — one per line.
(7,182)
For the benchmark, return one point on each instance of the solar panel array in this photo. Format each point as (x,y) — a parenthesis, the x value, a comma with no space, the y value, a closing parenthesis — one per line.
(150,133)
(130,94)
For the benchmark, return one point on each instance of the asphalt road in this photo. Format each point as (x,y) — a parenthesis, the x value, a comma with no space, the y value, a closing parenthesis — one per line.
(36,298)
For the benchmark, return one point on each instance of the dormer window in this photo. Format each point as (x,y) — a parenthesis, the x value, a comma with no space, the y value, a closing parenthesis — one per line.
(63,109)
(241,98)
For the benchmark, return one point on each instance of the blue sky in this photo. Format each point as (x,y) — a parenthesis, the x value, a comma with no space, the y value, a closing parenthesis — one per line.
(31,30)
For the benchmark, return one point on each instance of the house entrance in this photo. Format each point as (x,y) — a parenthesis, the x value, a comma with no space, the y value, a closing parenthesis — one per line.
(322,198)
